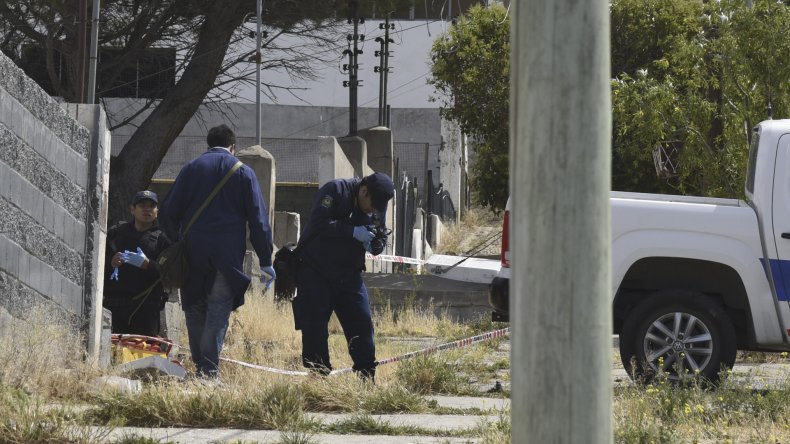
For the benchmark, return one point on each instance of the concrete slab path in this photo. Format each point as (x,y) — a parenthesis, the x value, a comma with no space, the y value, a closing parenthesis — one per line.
(206,436)
(437,423)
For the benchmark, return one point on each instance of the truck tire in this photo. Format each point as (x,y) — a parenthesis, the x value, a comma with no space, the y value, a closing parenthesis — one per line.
(684,333)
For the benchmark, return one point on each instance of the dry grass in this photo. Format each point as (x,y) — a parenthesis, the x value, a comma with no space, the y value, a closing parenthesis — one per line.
(42,356)
(262,332)
(664,413)
(477,226)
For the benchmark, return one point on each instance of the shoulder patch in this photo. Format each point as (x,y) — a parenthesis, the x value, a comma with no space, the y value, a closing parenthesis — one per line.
(326,201)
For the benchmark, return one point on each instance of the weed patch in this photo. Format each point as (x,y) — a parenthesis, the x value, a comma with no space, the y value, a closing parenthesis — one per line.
(23,419)
(40,355)
(349,394)
(428,374)
(664,412)
(274,406)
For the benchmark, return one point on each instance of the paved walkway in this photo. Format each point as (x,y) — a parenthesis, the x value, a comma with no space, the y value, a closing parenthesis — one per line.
(759,376)
(436,423)
(205,436)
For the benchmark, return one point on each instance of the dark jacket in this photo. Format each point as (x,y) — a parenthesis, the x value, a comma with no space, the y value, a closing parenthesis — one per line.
(132,280)
(333,251)
(217,240)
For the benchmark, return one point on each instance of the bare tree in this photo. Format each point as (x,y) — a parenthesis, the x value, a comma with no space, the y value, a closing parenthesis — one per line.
(208,36)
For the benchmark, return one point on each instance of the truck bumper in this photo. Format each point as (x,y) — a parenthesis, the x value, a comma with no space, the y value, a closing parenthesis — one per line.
(498,296)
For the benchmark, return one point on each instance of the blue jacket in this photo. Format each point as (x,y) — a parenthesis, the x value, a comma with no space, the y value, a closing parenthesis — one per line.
(217,239)
(333,251)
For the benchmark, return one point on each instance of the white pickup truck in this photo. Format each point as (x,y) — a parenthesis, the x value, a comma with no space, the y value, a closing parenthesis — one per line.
(695,279)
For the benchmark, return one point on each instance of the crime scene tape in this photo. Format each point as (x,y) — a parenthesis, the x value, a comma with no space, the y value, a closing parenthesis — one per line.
(425,351)
(396,259)
(446,346)
(266,369)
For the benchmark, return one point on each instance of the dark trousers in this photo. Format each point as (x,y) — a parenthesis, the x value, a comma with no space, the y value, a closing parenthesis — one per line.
(316,299)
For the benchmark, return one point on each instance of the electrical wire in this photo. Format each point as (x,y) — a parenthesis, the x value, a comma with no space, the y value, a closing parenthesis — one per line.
(470,253)
(343,113)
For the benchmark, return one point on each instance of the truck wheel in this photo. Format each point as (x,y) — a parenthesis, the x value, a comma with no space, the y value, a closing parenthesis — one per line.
(681,333)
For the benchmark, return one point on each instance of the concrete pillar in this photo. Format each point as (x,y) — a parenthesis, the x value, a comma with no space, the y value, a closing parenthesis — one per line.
(262,162)
(560,135)
(287,228)
(380,159)
(379,149)
(452,164)
(416,248)
(105,350)
(355,150)
(437,228)
(332,161)
(94,119)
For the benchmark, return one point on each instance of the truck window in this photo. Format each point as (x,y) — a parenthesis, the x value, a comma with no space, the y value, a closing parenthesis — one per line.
(755,142)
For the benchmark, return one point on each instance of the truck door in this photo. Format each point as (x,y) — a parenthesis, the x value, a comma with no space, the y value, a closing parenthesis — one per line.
(780,220)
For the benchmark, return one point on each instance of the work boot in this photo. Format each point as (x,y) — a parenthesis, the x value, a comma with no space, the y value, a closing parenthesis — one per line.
(367,374)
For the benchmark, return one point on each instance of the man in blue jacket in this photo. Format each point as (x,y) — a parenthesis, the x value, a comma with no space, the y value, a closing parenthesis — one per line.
(216,242)
(344,217)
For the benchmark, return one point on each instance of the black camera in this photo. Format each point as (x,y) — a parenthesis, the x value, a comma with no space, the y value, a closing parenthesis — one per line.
(379,242)
(380,234)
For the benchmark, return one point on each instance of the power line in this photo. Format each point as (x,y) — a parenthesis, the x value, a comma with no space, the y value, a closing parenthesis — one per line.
(343,113)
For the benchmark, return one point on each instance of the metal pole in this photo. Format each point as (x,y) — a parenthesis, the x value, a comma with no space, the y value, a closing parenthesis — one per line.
(381,80)
(386,72)
(560,139)
(94,52)
(82,30)
(352,131)
(258,105)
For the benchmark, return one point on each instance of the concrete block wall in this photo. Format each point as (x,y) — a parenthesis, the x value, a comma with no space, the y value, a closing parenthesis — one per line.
(44,190)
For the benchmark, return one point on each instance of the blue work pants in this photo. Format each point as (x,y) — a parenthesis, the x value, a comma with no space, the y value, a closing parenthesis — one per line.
(317,298)
(207,323)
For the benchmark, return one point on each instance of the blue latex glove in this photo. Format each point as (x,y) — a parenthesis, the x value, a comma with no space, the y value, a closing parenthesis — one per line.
(114,275)
(362,234)
(136,259)
(268,276)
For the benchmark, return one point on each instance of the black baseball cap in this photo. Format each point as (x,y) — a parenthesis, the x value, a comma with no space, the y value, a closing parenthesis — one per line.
(381,190)
(145,195)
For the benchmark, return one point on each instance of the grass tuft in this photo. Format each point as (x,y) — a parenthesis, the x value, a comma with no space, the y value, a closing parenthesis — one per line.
(132,438)
(191,404)
(428,374)
(295,437)
(347,393)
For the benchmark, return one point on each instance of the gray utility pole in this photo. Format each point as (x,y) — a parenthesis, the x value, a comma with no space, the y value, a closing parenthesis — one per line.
(352,83)
(94,50)
(560,138)
(383,68)
(258,8)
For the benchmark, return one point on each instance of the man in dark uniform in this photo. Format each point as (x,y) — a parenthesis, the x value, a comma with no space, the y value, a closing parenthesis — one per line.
(130,292)
(216,243)
(330,274)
